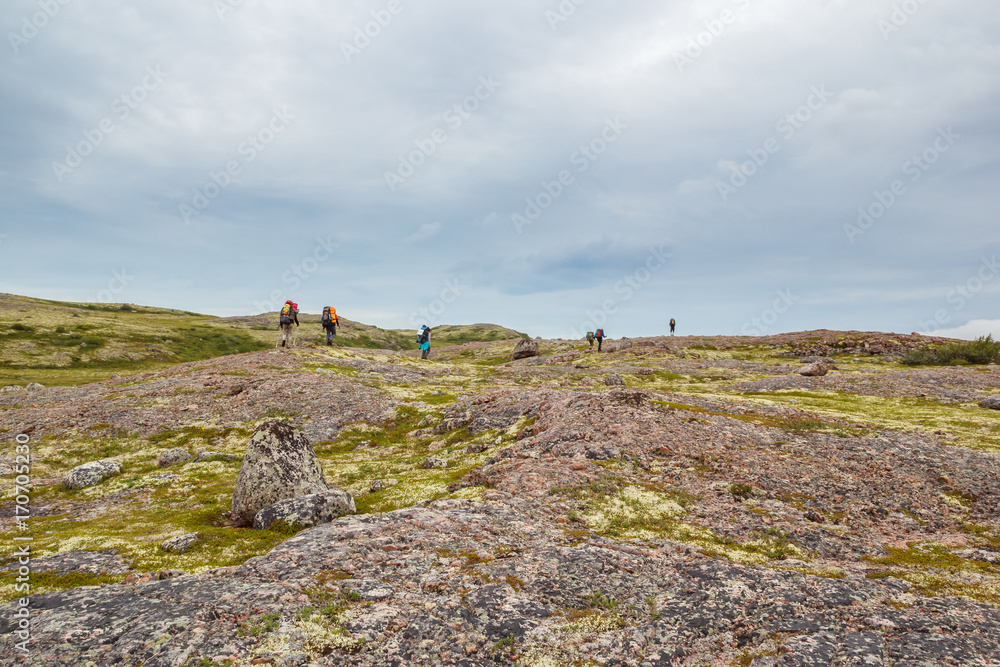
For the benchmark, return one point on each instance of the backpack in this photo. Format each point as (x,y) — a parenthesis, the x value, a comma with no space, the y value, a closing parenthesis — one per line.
(599,334)
(329,315)
(672,322)
(422,335)
(286,314)
(590,336)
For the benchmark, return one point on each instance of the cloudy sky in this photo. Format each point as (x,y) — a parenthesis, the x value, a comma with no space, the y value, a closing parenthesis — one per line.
(744,166)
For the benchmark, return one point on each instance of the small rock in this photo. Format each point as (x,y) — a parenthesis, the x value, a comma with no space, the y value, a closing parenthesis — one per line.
(173,457)
(991,402)
(306,511)
(90,474)
(205,455)
(11,388)
(524,349)
(34,386)
(476,448)
(180,544)
(379,484)
(614,380)
(434,463)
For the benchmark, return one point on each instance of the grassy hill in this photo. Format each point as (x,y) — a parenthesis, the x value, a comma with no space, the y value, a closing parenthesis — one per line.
(62,343)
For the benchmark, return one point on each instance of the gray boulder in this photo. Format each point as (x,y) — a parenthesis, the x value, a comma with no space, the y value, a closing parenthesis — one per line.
(614,380)
(525,348)
(11,388)
(817,369)
(306,511)
(991,402)
(34,386)
(173,457)
(279,464)
(180,544)
(91,474)
(434,463)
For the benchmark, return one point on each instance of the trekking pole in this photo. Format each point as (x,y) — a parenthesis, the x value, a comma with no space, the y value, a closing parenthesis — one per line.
(277,341)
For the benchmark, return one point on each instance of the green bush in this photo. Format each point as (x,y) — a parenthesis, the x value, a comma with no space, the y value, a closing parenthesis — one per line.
(983,350)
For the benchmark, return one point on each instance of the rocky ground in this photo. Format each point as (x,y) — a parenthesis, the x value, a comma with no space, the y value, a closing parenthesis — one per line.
(670,501)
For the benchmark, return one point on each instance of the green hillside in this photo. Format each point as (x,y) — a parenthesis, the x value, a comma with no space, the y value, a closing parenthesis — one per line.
(62,343)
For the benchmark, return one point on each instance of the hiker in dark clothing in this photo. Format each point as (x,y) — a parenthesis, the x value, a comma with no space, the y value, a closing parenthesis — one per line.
(599,336)
(289,316)
(673,323)
(424,340)
(330,322)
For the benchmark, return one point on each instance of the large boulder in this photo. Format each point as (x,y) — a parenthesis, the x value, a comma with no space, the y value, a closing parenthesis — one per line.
(525,348)
(279,463)
(91,474)
(306,511)
(817,369)
(991,402)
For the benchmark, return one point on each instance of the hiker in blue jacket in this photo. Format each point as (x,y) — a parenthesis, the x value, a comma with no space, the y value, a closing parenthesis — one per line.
(424,341)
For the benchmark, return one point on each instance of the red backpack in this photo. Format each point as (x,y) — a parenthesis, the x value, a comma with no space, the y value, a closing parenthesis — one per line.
(599,334)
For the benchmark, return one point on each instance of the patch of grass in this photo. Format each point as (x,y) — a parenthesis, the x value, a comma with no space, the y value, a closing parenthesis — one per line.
(740,491)
(259,625)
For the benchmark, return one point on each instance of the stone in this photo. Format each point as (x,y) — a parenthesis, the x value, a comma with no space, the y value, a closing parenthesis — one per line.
(434,463)
(172,457)
(205,455)
(34,386)
(817,369)
(279,464)
(614,380)
(379,484)
(11,388)
(91,474)
(525,348)
(180,544)
(306,511)
(991,402)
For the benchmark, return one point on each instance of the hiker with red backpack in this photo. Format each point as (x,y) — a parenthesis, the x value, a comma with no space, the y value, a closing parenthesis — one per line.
(330,321)
(599,337)
(289,316)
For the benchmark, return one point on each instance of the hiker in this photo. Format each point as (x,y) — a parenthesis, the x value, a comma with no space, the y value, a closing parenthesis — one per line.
(289,315)
(424,340)
(330,321)
(599,337)
(673,323)
(590,339)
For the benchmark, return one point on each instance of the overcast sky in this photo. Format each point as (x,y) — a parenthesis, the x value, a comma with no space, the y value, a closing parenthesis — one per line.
(744,166)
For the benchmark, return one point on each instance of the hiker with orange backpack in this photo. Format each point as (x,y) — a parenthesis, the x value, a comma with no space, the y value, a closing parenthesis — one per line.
(289,316)
(330,321)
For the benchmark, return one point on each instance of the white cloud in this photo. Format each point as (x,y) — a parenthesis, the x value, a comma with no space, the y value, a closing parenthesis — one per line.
(971,330)
(426,231)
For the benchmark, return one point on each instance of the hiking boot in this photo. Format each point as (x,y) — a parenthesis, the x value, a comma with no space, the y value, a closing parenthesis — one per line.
(282,343)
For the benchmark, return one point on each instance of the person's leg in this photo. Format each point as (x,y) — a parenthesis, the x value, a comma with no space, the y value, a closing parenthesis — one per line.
(600,341)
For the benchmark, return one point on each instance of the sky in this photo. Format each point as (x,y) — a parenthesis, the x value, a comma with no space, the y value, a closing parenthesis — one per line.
(746,167)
